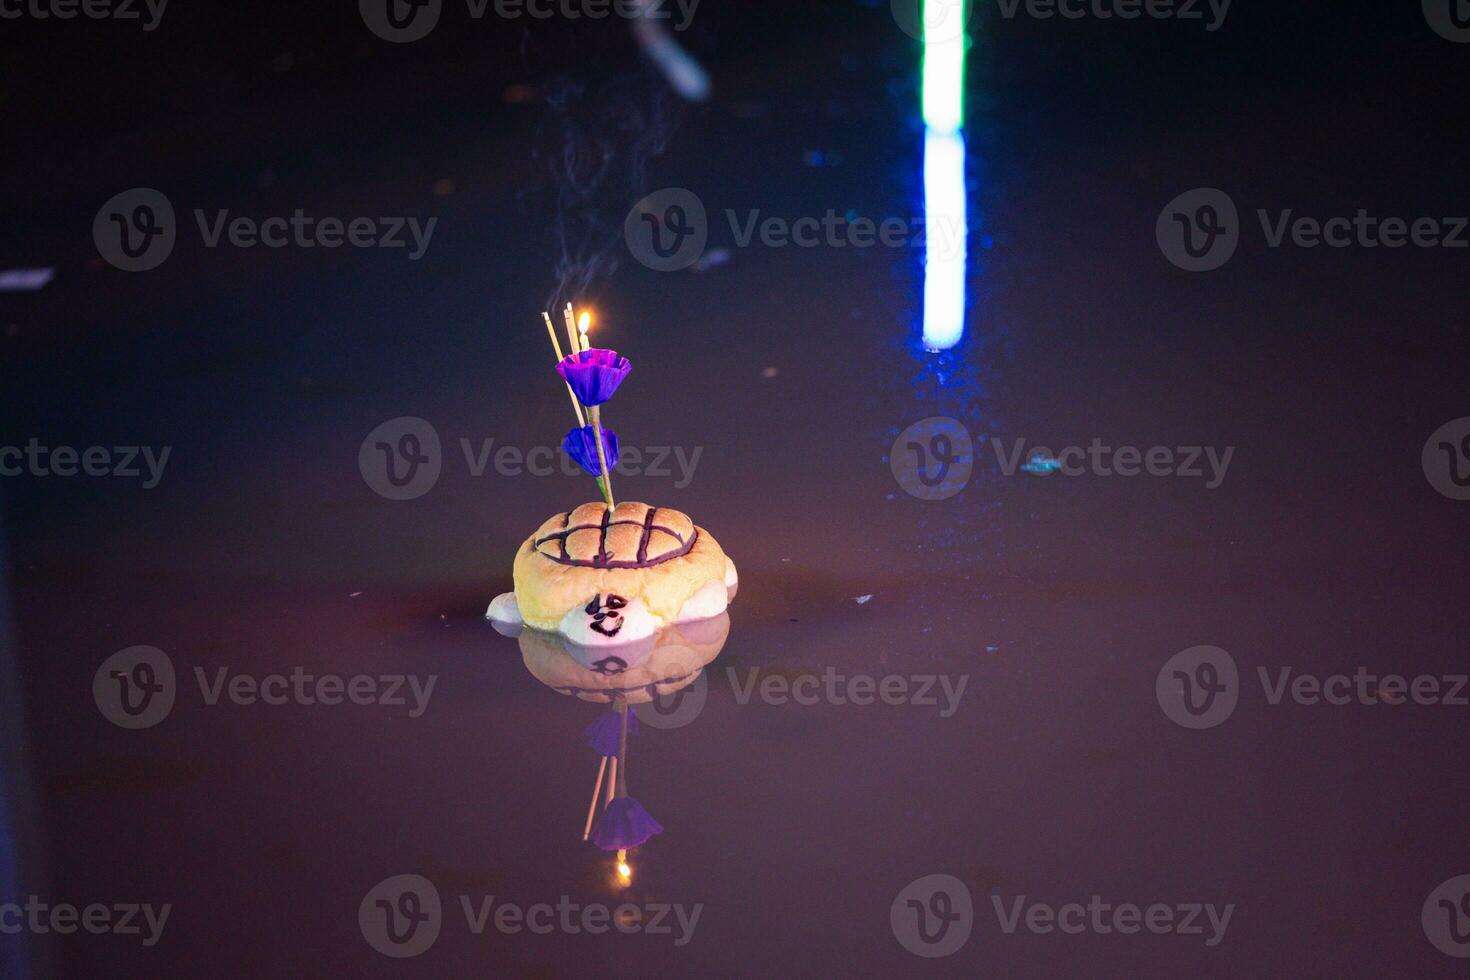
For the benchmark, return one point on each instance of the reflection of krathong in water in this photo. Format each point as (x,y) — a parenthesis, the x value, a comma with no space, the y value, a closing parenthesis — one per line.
(635,673)
(618,603)
(622,676)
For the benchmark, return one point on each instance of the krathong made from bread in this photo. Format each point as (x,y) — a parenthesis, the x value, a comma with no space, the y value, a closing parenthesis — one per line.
(607,573)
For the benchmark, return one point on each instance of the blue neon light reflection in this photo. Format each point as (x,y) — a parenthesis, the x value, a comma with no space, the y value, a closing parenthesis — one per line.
(947,228)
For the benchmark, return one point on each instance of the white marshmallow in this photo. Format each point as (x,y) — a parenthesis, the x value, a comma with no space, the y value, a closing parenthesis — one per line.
(711,600)
(637,624)
(505,614)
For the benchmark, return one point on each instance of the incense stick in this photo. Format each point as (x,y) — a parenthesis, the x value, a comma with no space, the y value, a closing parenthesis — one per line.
(572,330)
(612,783)
(596,792)
(556,346)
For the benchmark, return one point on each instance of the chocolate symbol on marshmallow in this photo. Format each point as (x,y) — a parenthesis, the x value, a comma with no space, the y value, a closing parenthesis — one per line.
(605,616)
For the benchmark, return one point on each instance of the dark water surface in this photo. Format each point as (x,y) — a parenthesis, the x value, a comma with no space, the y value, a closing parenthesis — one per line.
(1020,626)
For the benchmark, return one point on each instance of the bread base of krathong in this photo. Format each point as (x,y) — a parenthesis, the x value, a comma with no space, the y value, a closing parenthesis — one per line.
(634,673)
(602,578)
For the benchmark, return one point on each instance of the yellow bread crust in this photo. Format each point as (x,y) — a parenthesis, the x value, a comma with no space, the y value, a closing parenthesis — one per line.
(547,590)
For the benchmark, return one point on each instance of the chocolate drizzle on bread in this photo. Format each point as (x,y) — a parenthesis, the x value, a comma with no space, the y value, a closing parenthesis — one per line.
(634,535)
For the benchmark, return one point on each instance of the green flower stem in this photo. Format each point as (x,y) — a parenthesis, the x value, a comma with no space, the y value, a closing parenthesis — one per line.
(604,483)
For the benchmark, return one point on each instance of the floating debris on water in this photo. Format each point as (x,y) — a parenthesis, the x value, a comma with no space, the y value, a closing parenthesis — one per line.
(25,280)
(685,75)
(1041,464)
(712,259)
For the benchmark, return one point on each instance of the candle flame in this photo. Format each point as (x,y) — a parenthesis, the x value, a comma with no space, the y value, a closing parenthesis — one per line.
(583,322)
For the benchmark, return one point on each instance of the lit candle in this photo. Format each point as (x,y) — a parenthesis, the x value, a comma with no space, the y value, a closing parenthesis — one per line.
(594,413)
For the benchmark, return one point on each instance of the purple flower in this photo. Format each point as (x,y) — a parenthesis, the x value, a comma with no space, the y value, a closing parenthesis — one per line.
(605,733)
(581,445)
(594,374)
(624,824)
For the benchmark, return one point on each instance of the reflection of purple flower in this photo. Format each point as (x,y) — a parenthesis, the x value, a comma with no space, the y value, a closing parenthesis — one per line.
(624,824)
(594,374)
(581,445)
(604,733)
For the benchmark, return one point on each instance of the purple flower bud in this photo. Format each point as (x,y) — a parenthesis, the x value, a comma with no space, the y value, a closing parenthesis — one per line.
(581,445)
(605,733)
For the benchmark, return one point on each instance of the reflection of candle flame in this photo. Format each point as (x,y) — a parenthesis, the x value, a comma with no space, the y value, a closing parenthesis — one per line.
(625,871)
